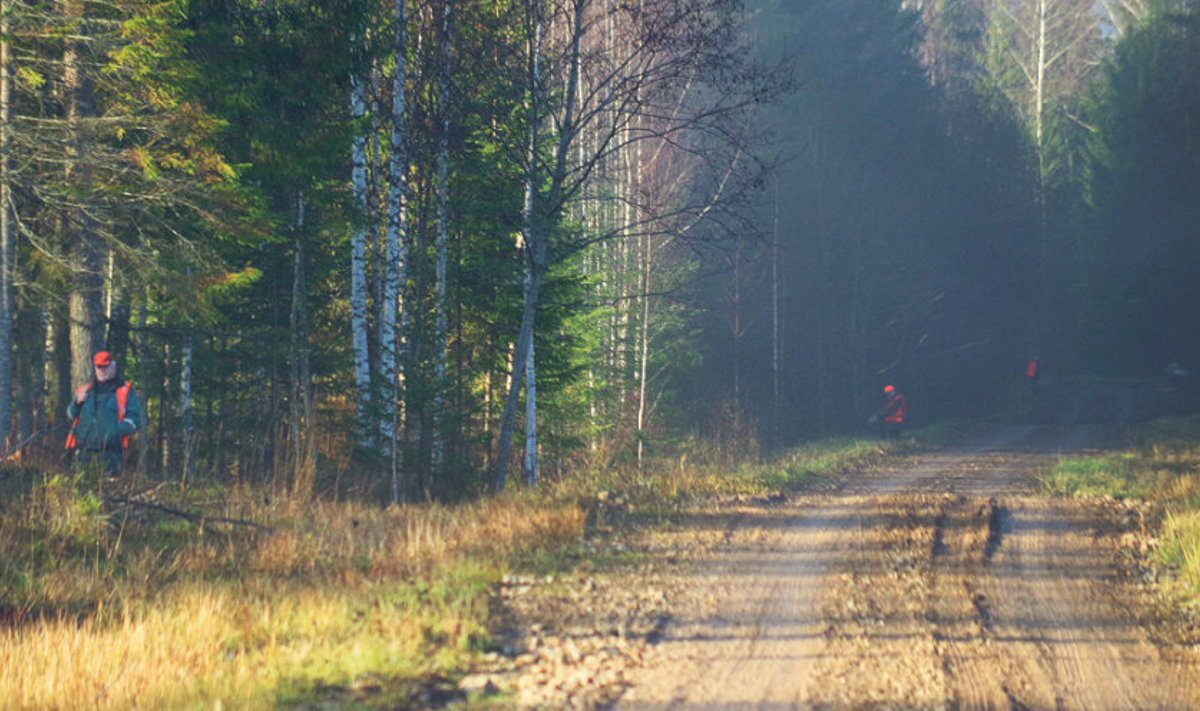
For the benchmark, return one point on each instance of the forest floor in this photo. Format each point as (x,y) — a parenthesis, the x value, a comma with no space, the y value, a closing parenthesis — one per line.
(940,580)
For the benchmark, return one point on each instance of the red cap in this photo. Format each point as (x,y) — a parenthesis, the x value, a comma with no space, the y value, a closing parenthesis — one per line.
(102,359)
(889,389)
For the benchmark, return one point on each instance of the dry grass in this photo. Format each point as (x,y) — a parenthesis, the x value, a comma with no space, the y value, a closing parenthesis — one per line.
(317,603)
(1181,550)
(339,602)
(1163,466)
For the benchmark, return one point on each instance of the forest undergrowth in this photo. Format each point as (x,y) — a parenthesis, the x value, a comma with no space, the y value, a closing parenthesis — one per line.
(117,596)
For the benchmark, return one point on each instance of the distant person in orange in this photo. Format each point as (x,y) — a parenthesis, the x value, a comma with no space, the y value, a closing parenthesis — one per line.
(1033,374)
(890,416)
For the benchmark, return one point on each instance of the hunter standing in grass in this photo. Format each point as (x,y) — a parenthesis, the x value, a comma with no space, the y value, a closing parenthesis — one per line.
(104,413)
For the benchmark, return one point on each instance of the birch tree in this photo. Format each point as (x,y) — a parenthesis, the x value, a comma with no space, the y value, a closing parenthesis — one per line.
(1122,15)
(670,45)
(396,250)
(358,257)
(1044,51)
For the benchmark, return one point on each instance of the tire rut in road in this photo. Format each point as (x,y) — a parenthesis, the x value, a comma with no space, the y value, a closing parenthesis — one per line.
(944,583)
(970,602)
(961,612)
(1059,616)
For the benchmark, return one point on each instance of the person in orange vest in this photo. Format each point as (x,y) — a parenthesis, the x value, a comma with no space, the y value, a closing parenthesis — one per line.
(1033,374)
(890,417)
(103,414)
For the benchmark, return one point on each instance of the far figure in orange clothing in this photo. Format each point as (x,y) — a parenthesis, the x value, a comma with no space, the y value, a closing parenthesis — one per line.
(890,416)
(1033,374)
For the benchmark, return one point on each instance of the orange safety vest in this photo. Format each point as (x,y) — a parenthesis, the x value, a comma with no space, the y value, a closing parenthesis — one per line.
(122,398)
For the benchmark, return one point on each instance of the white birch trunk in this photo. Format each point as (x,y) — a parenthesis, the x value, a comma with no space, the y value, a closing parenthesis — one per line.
(185,406)
(541,212)
(396,254)
(524,355)
(647,261)
(358,261)
(164,434)
(531,466)
(532,278)
(520,361)
(1039,102)
(644,345)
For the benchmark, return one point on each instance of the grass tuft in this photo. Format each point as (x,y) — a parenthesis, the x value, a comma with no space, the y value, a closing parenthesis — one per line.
(1110,475)
(1180,551)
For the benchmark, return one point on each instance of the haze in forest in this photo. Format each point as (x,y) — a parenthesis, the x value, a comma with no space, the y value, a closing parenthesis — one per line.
(957,195)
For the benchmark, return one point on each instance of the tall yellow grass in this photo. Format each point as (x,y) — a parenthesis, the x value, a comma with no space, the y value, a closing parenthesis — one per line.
(1163,466)
(340,598)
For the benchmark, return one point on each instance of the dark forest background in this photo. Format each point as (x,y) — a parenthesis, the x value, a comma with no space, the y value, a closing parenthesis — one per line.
(960,194)
(310,231)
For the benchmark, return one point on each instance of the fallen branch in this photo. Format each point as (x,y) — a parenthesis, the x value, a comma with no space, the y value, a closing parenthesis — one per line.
(199,519)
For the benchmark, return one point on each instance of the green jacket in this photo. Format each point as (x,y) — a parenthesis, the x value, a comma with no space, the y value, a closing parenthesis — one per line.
(98,428)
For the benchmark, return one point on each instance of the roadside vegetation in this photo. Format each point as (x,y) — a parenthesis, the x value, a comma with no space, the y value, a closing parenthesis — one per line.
(157,597)
(1161,466)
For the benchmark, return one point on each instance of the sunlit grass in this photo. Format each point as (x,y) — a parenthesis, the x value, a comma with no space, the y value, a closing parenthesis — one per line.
(1163,467)
(1181,550)
(341,602)
(206,645)
(1111,475)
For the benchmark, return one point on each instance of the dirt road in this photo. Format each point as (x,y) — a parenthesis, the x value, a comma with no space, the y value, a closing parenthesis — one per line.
(946,582)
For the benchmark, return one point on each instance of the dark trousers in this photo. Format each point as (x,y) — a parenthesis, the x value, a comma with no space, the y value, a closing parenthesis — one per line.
(107,461)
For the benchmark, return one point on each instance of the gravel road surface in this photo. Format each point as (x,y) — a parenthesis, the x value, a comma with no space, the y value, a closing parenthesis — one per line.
(945,581)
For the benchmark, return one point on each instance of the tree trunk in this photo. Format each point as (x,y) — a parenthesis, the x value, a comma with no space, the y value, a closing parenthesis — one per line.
(358,262)
(644,346)
(530,466)
(301,416)
(520,361)
(540,214)
(8,251)
(187,424)
(59,336)
(86,283)
(442,322)
(776,329)
(396,268)
(165,448)
(140,348)
(34,343)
